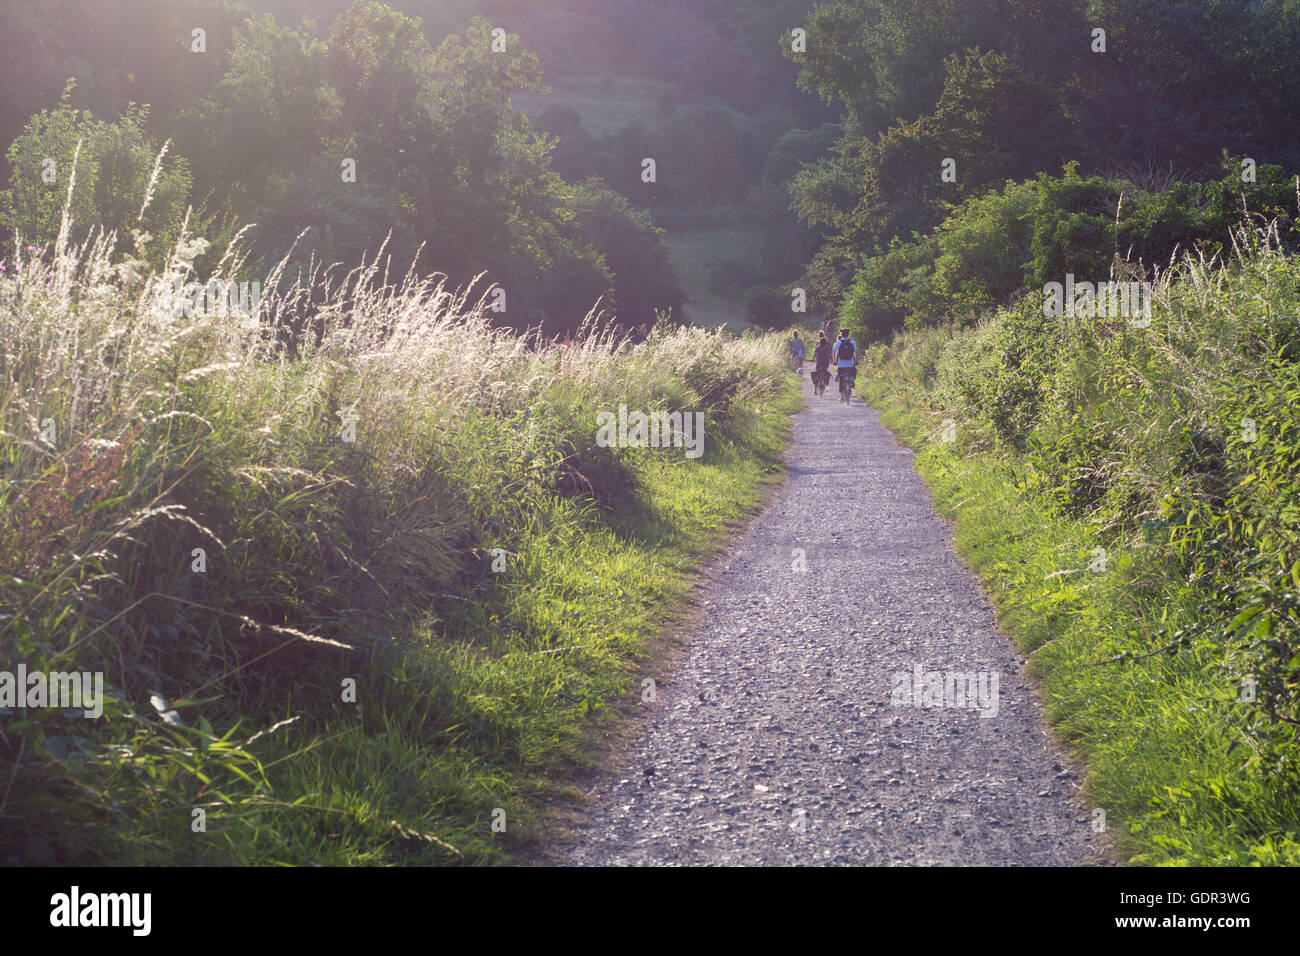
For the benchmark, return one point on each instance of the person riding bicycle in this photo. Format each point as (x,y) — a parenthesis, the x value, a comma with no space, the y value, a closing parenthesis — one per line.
(822,356)
(846,354)
(797,351)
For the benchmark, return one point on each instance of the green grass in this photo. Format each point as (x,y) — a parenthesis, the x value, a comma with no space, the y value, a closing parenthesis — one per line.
(694,254)
(493,720)
(397,642)
(1152,732)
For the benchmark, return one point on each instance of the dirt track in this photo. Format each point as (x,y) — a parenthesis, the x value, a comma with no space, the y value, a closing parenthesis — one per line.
(789,736)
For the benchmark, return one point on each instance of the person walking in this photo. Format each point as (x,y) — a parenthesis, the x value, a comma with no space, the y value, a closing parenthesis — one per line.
(797,352)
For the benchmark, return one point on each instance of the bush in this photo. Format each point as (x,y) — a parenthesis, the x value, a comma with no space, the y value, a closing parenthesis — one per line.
(1180,436)
(1028,234)
(1174,449)
(115,165)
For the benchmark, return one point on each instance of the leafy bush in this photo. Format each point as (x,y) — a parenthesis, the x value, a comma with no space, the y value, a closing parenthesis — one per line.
(992,247)
(102,173)
(1177,446)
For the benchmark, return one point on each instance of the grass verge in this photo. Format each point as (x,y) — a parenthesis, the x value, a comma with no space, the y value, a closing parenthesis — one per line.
(355,598)
(1151,731)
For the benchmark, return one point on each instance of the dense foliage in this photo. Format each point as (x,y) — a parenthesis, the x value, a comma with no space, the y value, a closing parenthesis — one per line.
(1175,448)
(1015,240)
(1008,90)
(373,137)
(990,149)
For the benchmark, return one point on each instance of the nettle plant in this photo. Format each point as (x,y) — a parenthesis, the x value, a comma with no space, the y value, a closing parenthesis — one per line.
(1243,544)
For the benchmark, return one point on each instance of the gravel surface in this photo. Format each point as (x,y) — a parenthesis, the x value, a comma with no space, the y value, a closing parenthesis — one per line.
(790,733)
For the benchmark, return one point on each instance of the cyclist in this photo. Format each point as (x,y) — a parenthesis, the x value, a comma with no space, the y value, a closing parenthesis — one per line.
(797,352)
(822,356)
(846,354)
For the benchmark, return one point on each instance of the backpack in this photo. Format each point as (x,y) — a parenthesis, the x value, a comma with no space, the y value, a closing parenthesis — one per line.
(844,351)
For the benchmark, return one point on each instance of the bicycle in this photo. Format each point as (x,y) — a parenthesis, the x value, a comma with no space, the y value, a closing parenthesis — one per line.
(821,377)
(847,377)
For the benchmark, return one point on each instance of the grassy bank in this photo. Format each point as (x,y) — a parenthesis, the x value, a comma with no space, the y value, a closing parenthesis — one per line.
(1133,516)
(361,586)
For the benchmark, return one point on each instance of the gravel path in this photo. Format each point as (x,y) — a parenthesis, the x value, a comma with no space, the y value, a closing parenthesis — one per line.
(790,733)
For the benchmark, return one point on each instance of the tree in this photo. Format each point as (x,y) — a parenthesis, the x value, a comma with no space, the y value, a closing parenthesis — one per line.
(114,163)
(254,129)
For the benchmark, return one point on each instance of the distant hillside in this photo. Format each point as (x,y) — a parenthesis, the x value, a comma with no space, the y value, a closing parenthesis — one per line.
(727,47)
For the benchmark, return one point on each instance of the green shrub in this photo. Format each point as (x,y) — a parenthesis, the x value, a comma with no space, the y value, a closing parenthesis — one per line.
(1175,448)
(992,248)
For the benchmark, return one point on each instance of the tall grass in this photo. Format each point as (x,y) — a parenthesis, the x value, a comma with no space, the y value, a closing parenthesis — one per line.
(1170,665)
(339,651)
